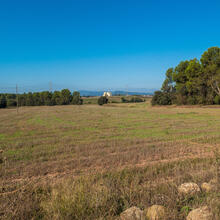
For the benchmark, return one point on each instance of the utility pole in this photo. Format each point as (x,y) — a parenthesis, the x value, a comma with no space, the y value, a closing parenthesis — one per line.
(17,97)
(126,90)
(51,86)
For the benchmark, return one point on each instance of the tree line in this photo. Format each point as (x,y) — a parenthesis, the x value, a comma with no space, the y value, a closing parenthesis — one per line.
(192,81)
(63,97)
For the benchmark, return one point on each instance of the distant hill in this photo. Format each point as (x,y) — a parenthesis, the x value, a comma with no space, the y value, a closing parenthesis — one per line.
(99,93)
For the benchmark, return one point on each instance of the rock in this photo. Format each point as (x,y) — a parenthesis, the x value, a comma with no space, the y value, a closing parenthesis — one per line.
(156,212)
(207,187)
(133,213)
(202,213)
(188,189)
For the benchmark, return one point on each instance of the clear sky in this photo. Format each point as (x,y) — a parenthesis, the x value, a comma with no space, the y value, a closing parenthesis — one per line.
(101,44)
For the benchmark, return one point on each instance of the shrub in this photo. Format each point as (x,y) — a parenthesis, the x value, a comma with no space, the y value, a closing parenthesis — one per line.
(161,98)
(133,99)
(114,101)
(210,99)
(11,102)
(77,100)
(124,100)
(136,99)
(3,102)
(192,100)
(102,100)
(181,100)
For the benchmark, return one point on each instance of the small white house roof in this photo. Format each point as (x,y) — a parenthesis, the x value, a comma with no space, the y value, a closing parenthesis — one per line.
(107,94)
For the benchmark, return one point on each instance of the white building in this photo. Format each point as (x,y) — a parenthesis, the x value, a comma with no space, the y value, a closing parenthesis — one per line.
(107,94)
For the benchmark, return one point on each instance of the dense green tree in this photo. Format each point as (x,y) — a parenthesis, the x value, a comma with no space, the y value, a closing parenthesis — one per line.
(168,84)
(3,101)
(66,97)
(46,98)
(211,66)
(41,98)
(11,100)
(56,98)
(22,99)
(193,72)
(193,82)
(11,96)
(180,79)
(11,103)
(29,99)
(179,75)
(77,100)
(161,98)
(37,99)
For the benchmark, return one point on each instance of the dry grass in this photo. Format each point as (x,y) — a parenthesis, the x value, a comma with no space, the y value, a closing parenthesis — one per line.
(88,162)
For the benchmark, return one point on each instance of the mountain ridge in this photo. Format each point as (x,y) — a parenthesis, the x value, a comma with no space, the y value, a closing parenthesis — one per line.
(116,92)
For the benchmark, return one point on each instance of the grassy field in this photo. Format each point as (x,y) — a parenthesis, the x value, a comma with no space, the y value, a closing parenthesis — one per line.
(93,162)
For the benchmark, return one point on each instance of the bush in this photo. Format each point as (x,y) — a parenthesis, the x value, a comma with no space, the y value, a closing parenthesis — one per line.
(102,100)
(136,99)
(161,98)
(77,100)
(11,102)
(3,102)
(192,100)
(124,100)
(133,99)
(114,101)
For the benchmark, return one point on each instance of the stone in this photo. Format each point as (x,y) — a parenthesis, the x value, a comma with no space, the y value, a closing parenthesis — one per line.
(207,187)
(188,189)
(133,213)
(156,212)
(202,213)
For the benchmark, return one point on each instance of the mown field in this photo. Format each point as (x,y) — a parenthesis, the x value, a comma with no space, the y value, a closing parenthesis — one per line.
(93,162)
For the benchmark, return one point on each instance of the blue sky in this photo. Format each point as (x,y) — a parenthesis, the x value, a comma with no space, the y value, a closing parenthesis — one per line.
(101,44)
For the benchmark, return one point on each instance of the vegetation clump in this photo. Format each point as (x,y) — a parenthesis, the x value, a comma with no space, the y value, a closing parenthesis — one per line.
(3,102)
(161,98)
(77,100)
(102,100)
(132,100)
(192,81)
(63,97)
